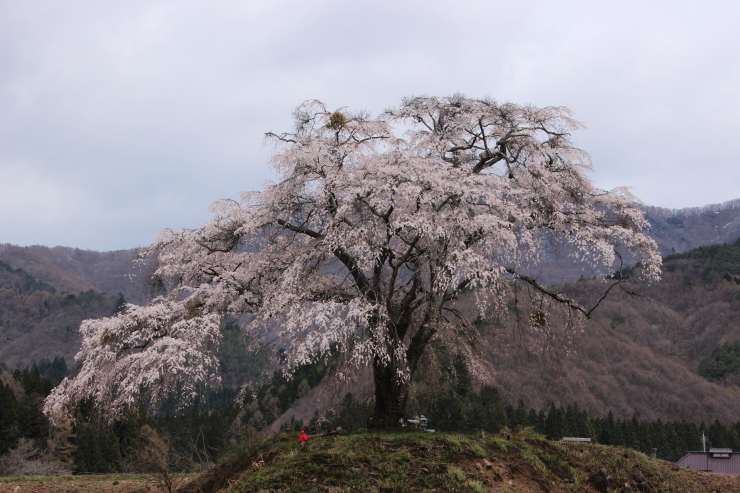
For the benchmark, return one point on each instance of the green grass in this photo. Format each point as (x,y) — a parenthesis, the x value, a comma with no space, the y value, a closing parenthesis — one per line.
(456,474)
(477,450)
(476,486)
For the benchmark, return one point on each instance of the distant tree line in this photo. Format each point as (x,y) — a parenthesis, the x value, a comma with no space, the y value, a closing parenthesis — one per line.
(715,261)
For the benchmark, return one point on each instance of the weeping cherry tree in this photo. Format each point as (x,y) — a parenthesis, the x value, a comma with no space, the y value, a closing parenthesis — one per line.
(373,228)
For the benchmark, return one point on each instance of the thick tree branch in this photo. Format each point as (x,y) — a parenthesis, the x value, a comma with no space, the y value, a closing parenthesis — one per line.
(548,292)
(299,229)
(363,284)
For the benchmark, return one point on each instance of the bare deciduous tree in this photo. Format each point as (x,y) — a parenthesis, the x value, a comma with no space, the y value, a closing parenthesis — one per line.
(26,460)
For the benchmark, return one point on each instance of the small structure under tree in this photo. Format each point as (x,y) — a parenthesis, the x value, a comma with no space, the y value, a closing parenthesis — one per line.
(374,227)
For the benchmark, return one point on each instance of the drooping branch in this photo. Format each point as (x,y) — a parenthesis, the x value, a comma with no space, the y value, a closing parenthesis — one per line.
(299,229)
(548,292)
(603,297)
(556,296)
(451,294)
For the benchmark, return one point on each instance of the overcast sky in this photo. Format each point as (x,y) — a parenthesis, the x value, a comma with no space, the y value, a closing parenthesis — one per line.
(120,119)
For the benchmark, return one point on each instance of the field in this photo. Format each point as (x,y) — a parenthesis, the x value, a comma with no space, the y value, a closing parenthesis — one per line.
(102,483)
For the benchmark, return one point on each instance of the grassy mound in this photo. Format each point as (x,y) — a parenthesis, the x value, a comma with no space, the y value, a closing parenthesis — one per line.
(445,462)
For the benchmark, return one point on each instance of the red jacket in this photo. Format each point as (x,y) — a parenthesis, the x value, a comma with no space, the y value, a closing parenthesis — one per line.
(303,437)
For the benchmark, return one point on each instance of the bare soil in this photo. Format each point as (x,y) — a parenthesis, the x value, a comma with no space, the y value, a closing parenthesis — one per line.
(118,483)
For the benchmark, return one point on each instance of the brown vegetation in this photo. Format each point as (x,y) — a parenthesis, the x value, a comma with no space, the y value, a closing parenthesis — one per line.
(38,324)
(74,270)
(638,355)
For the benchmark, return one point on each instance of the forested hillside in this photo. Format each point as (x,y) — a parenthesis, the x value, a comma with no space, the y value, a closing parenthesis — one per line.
(74,270)
(37,321)
(678,230)
(650,371)
(639,355)
(46,292)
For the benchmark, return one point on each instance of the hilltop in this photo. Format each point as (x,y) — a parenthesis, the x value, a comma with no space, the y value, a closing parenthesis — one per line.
(444,462)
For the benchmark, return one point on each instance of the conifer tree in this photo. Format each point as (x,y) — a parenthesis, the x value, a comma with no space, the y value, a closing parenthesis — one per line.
(9,417)
(555,426)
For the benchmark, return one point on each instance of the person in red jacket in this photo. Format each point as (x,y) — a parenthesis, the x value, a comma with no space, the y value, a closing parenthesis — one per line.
(303,438)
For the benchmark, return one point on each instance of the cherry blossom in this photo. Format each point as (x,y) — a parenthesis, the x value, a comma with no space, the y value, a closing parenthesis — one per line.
(374,227)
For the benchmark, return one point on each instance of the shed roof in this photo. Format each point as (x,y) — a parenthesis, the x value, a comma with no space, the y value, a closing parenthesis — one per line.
(716,460)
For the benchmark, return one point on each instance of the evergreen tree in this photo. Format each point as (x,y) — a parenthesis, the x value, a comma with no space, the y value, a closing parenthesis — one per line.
(9,418)
(97,449)
(494,411)
(657,436)
(630,434)
(733,435)
(717,435)
(519,416)
(689,435)
(555,425)
(675,447)
(541,421)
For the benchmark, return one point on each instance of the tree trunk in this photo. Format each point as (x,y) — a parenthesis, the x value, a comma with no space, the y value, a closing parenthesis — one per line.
(391,396)
(392,393)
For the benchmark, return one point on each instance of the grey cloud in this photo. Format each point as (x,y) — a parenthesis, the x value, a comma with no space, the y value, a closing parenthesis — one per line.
(123,118)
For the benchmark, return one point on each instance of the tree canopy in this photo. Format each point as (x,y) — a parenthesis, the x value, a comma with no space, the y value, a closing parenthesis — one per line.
(373,228)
